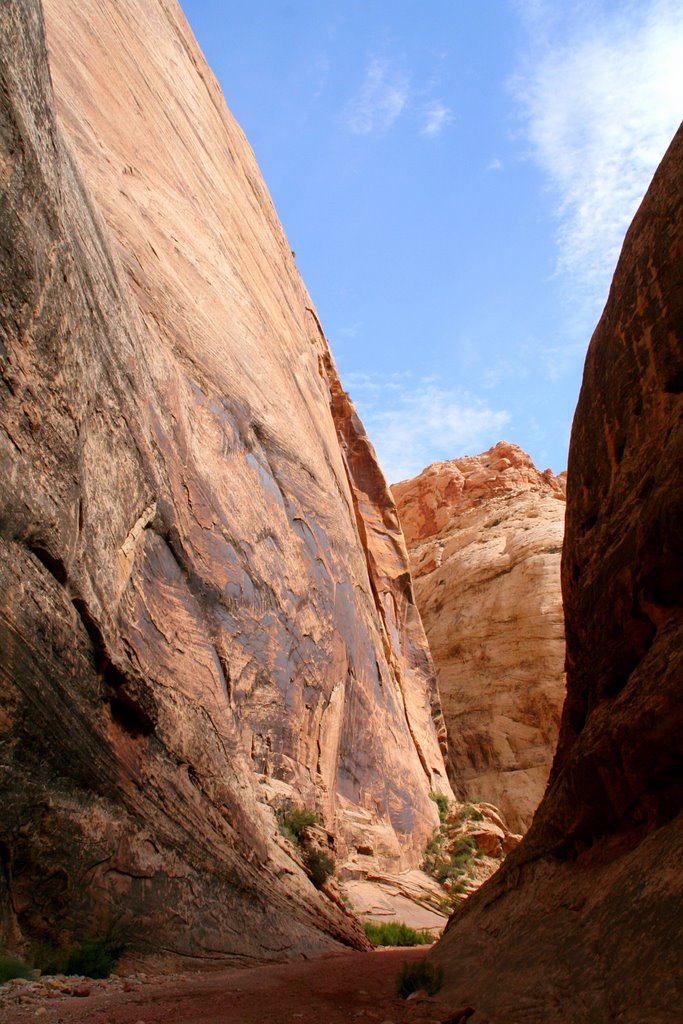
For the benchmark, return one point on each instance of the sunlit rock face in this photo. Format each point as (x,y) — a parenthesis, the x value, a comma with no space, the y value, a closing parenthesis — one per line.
(206,614)
(485,540)
(583,922)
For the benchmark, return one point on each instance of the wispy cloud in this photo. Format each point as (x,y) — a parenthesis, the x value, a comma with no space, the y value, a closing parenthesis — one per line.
(602,95)
(319,72)
(435,118)
(349,330)
(415,422)
(380,100)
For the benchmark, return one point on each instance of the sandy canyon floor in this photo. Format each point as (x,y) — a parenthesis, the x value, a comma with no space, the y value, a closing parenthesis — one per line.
(334,988)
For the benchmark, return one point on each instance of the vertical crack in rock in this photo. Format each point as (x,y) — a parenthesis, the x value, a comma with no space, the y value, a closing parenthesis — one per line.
(385,553)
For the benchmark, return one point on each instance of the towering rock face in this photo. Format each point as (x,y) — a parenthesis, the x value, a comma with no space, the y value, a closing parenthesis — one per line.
(583,923)
(205,611)
(485,540)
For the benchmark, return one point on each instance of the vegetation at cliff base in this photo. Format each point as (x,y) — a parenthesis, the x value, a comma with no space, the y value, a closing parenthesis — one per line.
(418,976)
(95,958)
(91,958)
(11,968)
(395,933)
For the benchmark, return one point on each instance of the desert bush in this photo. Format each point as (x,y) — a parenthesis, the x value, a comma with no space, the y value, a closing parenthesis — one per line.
(469,812)
(296,820)
(452,864)
(95,958)
(319,866)
(420,975)
(48,958)
(441,801)
(12,968)
(395,933)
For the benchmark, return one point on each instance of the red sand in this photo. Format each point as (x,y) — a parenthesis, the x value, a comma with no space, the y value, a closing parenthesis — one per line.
(332,989)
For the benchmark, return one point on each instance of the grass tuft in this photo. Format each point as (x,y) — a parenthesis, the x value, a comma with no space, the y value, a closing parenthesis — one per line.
(420,975)
(395,933)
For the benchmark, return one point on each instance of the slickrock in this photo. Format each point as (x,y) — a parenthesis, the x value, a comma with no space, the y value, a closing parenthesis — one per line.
(205,615)
(485,539)
(584,922)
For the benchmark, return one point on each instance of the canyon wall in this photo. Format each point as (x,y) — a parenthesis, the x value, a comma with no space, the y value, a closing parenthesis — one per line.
(583,922)
(484,535)
(206,614)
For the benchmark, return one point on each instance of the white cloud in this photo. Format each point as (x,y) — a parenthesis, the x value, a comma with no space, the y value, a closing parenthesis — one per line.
(412,426)
(435,118)
(495,165)
(350,331)
(602,96)
(380,100)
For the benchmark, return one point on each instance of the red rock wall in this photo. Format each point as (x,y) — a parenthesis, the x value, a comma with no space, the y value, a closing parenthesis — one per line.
(584,923)
(195,634)
(485,539)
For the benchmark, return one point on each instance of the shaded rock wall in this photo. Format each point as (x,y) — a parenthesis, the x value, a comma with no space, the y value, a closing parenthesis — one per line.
(196,630)
(583,922)
(485,540)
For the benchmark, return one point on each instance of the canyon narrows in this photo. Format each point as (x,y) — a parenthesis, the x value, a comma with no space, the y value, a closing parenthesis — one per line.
(207,617)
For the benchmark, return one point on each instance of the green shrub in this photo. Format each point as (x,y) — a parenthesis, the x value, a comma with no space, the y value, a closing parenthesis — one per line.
(11,968)
(286,831)
(97,958)
(48,958)
(319,866)
(395,933)
(296,820)
(469,812)
(441,801)
(441,865)
(421,974)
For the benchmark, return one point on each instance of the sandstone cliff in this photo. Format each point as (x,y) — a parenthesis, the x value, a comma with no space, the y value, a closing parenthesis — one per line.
(583,922)
(205,613)
(485,539)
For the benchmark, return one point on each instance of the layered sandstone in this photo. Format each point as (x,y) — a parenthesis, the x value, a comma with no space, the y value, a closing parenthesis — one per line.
(485,540)
(205,614)
(584,923)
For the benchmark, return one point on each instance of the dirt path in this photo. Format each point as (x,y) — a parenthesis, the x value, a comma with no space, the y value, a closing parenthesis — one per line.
(332,989)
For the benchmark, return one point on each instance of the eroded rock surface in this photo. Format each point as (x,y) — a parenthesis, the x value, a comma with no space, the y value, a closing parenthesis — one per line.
(583,922)
(485,540)
(206,614)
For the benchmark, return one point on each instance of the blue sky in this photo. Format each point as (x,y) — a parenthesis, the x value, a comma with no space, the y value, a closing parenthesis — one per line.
(456,178)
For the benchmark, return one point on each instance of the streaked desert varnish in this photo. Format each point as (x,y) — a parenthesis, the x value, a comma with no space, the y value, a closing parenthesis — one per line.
(206,610)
